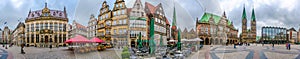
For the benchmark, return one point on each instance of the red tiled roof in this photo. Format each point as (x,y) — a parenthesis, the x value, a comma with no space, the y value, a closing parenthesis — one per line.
(128,11)
(79,26)
(167,21)
(150,7)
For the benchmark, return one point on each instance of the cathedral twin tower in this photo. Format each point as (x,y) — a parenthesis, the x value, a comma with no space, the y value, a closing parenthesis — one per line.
(248,35)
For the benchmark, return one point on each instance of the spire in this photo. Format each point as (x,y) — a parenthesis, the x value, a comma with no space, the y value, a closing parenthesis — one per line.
(64,8)
(244,13)
(224,14)
(46,5)
(253,15)
(174,17)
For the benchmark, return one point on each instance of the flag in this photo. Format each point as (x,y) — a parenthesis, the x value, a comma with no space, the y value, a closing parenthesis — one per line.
(151,41)
(179,40)
(139,41)
(161,41)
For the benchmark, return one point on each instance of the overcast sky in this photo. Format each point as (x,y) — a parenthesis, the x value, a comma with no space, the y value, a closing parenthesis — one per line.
(281,13)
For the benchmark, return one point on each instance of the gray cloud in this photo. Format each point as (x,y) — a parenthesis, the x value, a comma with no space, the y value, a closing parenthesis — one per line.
(268,13)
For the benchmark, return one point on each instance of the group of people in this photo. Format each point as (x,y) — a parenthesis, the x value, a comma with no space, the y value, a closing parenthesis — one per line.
(288,46)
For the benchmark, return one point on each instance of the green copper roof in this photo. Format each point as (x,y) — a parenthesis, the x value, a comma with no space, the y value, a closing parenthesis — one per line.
(229,23)
(253,15)
(244,14)
(206,16)
(137,18)
(174,18)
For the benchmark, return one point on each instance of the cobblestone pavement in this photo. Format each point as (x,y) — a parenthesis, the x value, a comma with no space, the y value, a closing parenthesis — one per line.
(247,52)
(207,52)
(56,53)
(3,54)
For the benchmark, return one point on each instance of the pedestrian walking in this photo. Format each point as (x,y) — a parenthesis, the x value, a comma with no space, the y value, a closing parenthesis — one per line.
(273,45)
(286,45)
(234,46)
(289,45)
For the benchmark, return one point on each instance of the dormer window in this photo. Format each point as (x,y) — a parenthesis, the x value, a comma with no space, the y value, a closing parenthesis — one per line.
(46,14)
(60,14)
(32,15)
(54,13)
(39,14)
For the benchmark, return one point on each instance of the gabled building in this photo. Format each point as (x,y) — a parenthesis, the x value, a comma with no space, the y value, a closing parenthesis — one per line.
(92,27)
(292,35)
(18,34)
(113,24)
(185,34)
(137,23)
(104,23)
(161,24)
(78,29)
(6,35)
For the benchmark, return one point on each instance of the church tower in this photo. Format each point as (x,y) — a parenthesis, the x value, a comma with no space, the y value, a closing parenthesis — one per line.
(253,24)
(244,24)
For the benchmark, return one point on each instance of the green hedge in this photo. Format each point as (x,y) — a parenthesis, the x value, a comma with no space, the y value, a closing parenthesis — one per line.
(125,53)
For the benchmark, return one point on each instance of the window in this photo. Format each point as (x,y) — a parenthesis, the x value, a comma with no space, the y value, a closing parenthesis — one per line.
(107,23)
(115,31)
(121,5)
(64,27)
(51,26)
(123,11)
(46,14)
(114,22)
(106,15)
(32,27)
(124,21)
(107,31)
(115,13)
(120,31)
(124,31)
(159,21)
(60,14)
(37,26)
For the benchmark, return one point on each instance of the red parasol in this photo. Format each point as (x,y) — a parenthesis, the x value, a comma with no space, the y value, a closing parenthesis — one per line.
(97,40)
(78,39)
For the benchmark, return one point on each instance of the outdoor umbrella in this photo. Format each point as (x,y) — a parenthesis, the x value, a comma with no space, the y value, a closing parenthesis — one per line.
(97,40)
(78,39)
